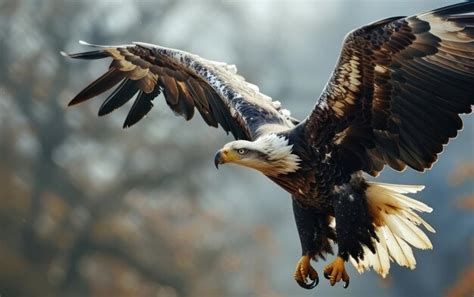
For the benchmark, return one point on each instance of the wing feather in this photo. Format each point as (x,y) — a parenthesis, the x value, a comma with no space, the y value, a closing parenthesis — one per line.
(121,95)
(140,107)
(108,80)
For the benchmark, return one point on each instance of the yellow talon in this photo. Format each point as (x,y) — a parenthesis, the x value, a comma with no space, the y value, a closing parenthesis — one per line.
(336,271)
(303,271)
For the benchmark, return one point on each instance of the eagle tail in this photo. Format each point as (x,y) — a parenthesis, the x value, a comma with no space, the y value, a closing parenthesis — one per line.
(396,225)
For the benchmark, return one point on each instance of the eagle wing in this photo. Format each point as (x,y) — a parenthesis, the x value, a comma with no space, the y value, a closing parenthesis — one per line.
(187,81)
(397,91)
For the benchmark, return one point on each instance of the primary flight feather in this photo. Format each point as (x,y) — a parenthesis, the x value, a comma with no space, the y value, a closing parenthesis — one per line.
(394,99)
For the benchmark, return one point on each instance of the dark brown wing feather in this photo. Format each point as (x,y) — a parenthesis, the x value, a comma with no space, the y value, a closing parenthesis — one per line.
(187,81)
(397,91)
(142,105)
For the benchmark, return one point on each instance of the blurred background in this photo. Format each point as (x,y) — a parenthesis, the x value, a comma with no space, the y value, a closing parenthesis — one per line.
(89,209)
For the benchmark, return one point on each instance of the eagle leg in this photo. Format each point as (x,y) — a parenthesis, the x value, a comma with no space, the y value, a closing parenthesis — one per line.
(303,271)
(354,227)
(336,271)
(314,232)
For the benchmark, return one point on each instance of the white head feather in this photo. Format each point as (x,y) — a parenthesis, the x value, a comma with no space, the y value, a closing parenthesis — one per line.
(280,158)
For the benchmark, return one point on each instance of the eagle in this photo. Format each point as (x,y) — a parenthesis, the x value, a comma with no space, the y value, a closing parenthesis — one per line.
(394,98)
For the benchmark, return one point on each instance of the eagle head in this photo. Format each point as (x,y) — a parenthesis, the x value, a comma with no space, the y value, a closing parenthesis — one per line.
(271,154)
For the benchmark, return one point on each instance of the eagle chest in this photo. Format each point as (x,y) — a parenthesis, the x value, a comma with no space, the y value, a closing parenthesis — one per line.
(310,187)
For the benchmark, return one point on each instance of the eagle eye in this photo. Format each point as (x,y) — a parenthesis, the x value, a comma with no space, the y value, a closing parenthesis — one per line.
(242,151)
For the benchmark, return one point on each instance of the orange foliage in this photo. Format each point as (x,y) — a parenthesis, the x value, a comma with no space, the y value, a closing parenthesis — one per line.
(467,203)
(462,173)
(464,287)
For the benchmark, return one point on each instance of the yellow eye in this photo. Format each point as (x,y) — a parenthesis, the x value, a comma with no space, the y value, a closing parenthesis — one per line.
(242,151)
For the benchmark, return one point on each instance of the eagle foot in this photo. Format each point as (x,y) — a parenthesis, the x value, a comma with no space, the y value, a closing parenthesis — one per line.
(303,271)
(336,271)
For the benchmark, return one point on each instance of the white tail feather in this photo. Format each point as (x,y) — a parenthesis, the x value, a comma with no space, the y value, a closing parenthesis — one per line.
(396,225)
(402,189)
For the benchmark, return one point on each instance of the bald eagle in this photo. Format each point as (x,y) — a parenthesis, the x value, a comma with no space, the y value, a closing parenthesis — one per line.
(394,98)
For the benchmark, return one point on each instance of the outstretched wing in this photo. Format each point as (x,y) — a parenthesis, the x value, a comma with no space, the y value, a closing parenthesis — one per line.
(187,81)
(397,91)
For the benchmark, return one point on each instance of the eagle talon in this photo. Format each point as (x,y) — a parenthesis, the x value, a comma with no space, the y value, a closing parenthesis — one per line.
(346,283)
(335,272)
(308,286)
(305,271)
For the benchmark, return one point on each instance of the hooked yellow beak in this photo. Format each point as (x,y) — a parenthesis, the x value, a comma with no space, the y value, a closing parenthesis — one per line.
(223,156)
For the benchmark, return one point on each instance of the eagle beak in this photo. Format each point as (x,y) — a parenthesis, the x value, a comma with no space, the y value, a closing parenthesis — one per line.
(218,159)
(223,156)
